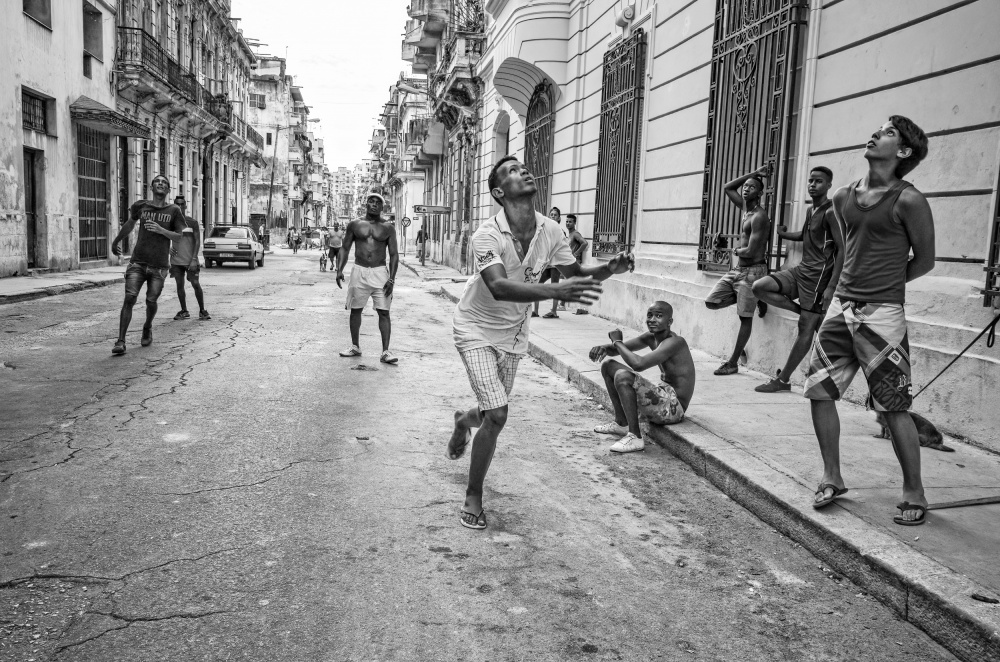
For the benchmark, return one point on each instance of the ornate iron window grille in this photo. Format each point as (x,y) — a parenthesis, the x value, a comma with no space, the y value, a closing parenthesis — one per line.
(623,84)
(754,58)
(538,138)
(93,153)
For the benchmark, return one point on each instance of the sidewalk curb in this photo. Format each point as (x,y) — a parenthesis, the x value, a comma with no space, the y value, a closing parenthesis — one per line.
(924,596)
(58,289)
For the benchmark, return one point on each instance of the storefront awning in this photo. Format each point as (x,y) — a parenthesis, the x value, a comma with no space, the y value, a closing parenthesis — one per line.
(97,116)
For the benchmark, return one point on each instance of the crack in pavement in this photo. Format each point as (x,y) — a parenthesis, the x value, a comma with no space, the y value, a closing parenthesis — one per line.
(11,583)
(130,621)
(265,480)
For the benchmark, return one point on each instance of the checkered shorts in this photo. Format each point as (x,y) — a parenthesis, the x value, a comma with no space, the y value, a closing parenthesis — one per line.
(491,374)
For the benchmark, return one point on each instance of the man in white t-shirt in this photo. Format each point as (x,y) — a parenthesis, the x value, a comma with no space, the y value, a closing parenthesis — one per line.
(510,251)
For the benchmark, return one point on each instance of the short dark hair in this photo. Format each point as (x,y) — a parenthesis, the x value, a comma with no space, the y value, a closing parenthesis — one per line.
(160,176)
(494,179)
(558,211)
(759,181)
(571,217)
(914,138)
(823,169)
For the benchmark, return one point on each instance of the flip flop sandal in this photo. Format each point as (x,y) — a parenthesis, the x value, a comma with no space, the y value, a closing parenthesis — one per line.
(550,316)
(906,505)
(837,491)
(460,451)
(480,522)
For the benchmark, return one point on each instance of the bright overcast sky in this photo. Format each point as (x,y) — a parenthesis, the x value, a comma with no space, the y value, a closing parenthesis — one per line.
(344,54)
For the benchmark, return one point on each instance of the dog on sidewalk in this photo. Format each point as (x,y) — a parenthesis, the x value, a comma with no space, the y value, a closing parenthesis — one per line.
(928,434)
(322,261)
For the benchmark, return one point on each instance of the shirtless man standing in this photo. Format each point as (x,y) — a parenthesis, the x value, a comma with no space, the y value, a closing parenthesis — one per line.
(812,281)
(737,285)
(370,277)
(634,396)
(578,245)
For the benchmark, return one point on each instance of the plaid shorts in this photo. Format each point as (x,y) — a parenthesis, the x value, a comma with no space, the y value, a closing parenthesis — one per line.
(491,374)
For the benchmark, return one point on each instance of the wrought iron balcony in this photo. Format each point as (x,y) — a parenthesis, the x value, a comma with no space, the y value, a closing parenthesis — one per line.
(255,138)
(138,48)
(218,106)
(460,55)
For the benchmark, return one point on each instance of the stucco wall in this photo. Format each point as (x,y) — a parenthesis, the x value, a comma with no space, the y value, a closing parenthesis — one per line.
(49,63)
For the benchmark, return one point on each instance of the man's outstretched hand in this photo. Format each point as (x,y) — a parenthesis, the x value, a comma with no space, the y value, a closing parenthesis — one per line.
(578,289)
(340,279)
(621,263)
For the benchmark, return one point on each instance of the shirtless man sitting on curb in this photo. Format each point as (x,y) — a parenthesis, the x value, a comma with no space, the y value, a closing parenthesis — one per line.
(634,396)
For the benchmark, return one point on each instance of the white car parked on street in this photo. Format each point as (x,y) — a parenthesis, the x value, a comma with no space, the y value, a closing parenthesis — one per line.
(233,244)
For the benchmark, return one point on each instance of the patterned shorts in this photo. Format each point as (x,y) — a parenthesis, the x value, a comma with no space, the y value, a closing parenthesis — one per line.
(491,374)
(657,402)
(870,336)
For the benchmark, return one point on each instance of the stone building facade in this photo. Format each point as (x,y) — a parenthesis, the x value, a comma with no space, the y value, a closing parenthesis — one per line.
(632,115)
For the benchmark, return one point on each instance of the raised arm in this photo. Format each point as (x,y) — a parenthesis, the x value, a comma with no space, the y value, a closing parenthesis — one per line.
(619,264)
(574,290)
(915,214)
(732,189)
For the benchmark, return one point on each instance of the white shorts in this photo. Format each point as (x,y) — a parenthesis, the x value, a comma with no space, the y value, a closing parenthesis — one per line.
(491,374)
(368,282)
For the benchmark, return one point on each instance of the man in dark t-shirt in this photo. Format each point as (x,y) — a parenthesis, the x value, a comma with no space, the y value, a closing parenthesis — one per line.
(162,223)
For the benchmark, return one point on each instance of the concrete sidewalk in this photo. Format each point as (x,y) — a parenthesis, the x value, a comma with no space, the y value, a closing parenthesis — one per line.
(760,449)
(23,288)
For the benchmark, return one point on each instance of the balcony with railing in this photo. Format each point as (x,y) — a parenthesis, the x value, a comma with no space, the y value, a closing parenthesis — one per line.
(416,131)
(459,56)
(138,48)
(255,138)
(218,106)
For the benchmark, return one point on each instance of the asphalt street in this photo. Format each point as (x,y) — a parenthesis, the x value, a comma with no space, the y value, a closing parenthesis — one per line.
(237,491)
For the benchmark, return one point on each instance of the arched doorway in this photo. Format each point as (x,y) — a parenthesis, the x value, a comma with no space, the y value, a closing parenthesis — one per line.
(538,138)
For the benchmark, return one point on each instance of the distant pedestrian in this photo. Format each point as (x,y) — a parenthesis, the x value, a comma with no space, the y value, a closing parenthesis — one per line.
(162,222)
(885,219)
(372,238)
(184,262)
(736,287)
(510,252)
(552,273)
(333,243)
(578,244)
(421,240)
(634,397)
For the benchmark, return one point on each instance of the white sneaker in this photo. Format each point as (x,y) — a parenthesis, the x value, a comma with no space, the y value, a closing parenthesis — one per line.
(610,428)
(628,444)
(387,357)
(353,350)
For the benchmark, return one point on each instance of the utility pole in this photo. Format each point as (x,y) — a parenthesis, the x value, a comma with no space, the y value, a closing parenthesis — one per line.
(274,164)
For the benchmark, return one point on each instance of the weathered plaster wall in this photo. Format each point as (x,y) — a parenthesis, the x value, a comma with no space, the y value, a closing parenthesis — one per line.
(50,63)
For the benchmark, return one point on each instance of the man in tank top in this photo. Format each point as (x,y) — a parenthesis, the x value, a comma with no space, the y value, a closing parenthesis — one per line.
(812,281)
(884,219)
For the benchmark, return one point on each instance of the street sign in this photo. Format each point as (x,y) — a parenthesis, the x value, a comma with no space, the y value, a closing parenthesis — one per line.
(431,209)
(406,221)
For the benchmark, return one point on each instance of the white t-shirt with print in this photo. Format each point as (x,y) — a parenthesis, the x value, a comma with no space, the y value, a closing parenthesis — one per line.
(482,321)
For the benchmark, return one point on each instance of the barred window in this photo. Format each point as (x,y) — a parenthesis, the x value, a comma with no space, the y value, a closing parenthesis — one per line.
(33,112)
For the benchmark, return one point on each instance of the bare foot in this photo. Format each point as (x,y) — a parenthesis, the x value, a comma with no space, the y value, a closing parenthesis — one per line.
(460,438)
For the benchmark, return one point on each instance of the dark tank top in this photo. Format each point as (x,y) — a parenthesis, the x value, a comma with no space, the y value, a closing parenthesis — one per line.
(817,248)
(877,250)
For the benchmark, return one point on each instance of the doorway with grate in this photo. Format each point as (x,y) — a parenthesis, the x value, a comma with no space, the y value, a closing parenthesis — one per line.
(538,139)
(93,149)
